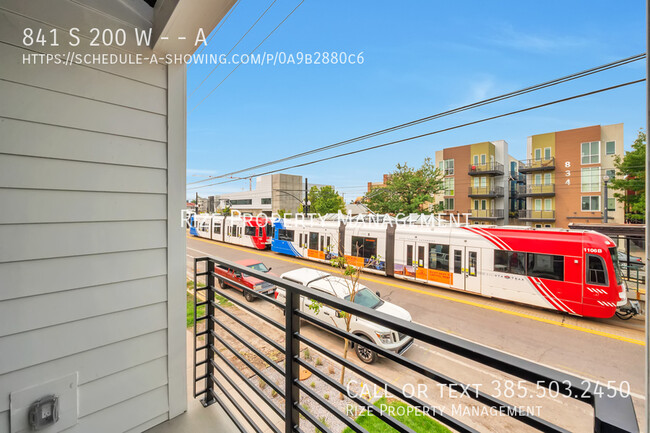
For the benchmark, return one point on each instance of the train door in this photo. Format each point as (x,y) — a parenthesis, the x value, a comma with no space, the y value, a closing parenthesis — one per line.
(465,264)
(415,260)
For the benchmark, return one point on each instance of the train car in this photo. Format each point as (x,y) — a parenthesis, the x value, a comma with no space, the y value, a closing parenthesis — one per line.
(318,241)
(576,272)
(238,230)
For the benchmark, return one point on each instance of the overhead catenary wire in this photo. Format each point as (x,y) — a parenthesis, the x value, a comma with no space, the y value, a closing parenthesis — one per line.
(215,31)
(254,49)
(486,119)
(234,46)
(456,110)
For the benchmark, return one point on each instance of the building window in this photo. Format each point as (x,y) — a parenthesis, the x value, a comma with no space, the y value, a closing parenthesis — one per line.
(448,185)
(449,204)
(538,204)
(475,159)
(590,152)
(483,181)
(241,202)
(591,203)
(611,174)
(547,153)
(483,159)
(538,154)
(590,179)
(610,148)
(611,203)
(483,204)
(475,204)
(538,179)
(548,204)
(547,179)
(448,167)
(266,201)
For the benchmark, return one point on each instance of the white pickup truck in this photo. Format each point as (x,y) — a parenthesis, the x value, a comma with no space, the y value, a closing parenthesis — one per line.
(338,286)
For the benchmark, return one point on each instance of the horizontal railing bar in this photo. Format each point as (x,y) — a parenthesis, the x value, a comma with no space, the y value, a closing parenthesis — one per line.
(310,417)
(198,319)
(196,394)
(201,274)
(231,415)
(205,376)
(397,425)
(259,374)
(200,363)
(248,289)
(437,414)
(330,408)
(255,389)
(243,306)
(470,391)
(248,400)
(236,405)
(205,346)
(200,304)
(252,348)
(198,334)
(250,328)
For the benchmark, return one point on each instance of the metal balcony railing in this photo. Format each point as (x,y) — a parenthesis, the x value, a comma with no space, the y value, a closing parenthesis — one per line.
(486,213)
(537,215)
(493,168)
(485,191)
(223,382)
(529,165)
(535,190)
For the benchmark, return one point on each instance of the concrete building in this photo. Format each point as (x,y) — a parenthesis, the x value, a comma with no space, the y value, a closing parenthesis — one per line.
(92,264)
(476,181)
(565,171)
(272,193)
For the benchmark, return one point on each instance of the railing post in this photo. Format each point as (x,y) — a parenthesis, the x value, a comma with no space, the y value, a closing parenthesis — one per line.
(209,326)
(292,368)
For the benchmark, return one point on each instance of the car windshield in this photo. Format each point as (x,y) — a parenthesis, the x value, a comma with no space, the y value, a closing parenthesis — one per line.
(366,298)
(617,265)
(259,267)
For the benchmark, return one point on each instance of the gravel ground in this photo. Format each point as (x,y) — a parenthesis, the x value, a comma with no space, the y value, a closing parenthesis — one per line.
(321,388)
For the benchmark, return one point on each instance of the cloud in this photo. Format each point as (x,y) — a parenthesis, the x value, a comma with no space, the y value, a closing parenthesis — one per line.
(507,36)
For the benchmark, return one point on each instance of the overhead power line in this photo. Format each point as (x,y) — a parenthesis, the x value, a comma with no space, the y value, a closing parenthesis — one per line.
(254,49)
(502,97)
(234,46)
(366,149)
(221,23)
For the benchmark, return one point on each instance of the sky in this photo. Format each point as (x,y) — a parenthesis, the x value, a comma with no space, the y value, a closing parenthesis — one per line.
(419,58)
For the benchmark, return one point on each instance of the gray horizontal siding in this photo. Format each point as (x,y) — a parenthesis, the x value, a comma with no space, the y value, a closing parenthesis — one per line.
(21,279)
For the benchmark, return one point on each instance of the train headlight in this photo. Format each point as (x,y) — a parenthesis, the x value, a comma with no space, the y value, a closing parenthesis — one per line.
(385,337)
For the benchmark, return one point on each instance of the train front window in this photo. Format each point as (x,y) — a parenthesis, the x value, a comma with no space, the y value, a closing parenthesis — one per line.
(617,265)
(596,270)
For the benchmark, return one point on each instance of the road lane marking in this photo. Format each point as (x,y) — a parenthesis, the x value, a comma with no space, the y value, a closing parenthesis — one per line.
(424,292)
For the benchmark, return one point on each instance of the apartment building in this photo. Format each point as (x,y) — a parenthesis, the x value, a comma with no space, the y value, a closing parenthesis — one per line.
(565,175)
(476,181)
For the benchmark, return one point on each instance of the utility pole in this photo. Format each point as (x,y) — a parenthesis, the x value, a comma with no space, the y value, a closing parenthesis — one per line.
(196,208)
(305,206)
(605,206)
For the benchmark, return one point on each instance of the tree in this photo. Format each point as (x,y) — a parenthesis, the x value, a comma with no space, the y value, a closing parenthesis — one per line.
(407,190)
(325,200)
(630,180)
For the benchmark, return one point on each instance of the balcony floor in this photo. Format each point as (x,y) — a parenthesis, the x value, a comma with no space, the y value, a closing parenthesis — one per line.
(198,418)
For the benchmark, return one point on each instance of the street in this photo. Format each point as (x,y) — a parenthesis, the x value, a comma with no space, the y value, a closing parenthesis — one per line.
(597,350)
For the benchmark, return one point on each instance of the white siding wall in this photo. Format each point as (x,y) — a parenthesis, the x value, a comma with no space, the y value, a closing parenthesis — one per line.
(85,225)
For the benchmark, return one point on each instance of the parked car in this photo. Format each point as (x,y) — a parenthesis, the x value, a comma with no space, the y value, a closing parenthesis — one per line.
(634,261)
(337,286)
(255,284)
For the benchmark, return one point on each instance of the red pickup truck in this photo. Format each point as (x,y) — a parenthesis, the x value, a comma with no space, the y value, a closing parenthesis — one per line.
(252,283)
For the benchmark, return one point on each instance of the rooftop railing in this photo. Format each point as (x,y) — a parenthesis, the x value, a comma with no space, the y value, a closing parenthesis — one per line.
(218,380)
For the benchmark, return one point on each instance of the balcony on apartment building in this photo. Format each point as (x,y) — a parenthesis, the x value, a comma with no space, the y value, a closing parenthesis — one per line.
(485,191)
(517,177)
(537,164)
(486,214)
(536,215)
(250,362)
(535,190)
(488,168)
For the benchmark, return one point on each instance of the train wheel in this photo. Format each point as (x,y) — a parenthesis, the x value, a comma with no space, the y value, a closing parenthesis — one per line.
(365,354)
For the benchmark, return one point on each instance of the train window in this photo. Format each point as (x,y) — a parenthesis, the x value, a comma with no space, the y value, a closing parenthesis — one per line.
(409,255)
(270,230)
(473,259)
(512,262)
(217,229)
(364,247)
(421,257)
(546,266)
(249,231)
(596,270)
(458,261)
(300,241)
(322,242)
(205,227)
(439,257)
(286,235)
(313,241)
